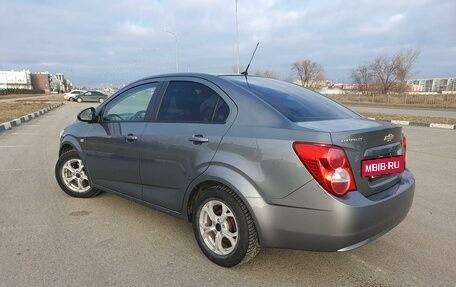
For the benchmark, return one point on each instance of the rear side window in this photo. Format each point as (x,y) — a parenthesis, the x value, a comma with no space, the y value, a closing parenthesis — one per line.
(192,102)
(296,103)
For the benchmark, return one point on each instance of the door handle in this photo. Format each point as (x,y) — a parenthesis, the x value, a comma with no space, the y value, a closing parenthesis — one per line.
(131,138)
(198,139)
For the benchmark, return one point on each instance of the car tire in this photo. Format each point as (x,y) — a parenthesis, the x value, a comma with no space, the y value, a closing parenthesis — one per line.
(71,176)
(79,100)
(100,100)
(224,228)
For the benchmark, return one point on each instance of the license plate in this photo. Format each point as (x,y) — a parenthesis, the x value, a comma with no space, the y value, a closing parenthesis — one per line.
(382,166)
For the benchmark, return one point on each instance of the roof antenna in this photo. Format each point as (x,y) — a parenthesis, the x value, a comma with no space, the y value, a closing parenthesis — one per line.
(245,73)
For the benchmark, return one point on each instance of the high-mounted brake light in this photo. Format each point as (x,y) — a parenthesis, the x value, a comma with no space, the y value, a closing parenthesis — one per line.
(329,166)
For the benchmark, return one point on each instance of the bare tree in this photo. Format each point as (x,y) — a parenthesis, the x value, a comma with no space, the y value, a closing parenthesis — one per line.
(362,76)
(393,71)
(405,61)
(309,73)
(384,71)
(266,73)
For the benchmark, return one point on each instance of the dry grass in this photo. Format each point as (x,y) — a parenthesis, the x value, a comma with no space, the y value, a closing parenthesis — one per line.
(50,99)
(418,119)
(14,96)
(431,100)
(11,109)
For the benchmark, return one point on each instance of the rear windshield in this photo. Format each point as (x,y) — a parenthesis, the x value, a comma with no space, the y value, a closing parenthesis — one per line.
(296,103)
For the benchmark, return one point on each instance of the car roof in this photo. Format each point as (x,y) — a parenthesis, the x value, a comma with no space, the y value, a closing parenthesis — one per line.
(194,75)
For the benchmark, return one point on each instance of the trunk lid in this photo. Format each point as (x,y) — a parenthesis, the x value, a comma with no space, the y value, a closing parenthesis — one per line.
(364,139)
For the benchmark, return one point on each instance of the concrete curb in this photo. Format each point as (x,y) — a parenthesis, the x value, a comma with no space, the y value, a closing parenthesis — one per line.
(26,118)
(418,124)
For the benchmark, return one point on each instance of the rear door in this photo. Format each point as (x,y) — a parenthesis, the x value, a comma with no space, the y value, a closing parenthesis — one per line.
(192,118)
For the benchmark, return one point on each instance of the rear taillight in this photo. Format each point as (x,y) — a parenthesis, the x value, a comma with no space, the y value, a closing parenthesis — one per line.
(329,166)
(404,148)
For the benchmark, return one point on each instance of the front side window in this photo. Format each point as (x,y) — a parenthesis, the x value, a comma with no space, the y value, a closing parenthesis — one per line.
(131,106)
(192,102)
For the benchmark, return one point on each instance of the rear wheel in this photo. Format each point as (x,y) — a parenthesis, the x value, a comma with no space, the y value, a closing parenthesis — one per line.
(71,176)
(79,100)
(224,228)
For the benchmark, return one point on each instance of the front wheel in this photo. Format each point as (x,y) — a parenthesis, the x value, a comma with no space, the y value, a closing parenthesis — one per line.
(100,100)
(224,228)
(79,100)
(71,176)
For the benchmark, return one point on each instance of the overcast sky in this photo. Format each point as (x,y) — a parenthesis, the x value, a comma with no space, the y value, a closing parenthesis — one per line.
(101,42)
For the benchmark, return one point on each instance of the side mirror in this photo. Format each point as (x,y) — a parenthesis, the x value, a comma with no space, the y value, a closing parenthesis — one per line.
(87,115)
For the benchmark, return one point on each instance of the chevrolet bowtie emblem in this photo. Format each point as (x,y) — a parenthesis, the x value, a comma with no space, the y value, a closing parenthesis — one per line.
(389,138)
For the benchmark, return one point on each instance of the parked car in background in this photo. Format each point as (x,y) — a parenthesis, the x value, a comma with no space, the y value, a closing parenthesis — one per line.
(71,95)
(90,96)
(250,161)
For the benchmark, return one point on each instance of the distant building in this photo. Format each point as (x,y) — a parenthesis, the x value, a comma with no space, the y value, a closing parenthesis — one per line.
(58,83)
(331,91)
(346,87)
(41,81)
(311,84)
(438,85)
(34,81)
(68,85)
(15,80)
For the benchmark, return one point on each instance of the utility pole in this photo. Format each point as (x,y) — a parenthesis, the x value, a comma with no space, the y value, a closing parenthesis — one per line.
(237,39)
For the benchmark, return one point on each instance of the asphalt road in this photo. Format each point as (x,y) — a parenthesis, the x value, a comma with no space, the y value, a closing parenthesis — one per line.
(50,239)
(406,111)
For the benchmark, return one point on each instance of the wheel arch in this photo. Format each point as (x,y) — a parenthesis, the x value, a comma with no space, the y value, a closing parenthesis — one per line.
(222,176)
(69,143)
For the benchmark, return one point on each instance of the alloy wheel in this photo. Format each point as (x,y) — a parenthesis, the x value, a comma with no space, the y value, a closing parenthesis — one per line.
(74,176)
(218,227)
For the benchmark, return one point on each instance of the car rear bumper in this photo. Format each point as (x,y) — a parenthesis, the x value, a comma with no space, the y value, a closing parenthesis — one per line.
(330,223)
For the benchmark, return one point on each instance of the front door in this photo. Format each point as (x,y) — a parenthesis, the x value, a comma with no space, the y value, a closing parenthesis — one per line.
(112,145)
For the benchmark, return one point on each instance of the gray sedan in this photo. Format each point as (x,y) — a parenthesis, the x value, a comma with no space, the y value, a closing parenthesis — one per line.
(90,96)
(249,161)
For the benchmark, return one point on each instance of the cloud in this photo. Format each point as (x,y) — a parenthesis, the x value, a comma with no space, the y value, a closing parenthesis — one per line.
(131,29)
(99,42)
(383,27)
